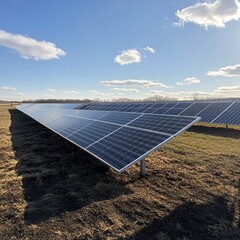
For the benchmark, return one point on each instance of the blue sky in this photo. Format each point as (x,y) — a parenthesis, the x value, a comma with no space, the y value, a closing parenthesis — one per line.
(115,49)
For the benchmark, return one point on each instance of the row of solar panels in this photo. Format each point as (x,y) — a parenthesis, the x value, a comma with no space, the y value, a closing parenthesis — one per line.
(222,112)
(119,139)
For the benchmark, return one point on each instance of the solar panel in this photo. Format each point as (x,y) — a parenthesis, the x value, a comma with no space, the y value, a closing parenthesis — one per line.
(92,133)
(116,138)
(162,123)
(230,116)
(209,111)
(154,107)
(196,108)
(119,117)
(213,110)
(126,146)
(174,111)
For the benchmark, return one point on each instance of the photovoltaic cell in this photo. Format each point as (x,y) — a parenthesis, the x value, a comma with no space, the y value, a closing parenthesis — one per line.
(207,110)
(92,133)
(230,116)
(87,114)
(119,117)
(195,109)
(162,123)
(125,146)
(174,111)
(183,105)
(154,107)
(213,110)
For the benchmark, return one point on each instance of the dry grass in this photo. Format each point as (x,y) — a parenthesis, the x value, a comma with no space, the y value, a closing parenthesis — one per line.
(50,189)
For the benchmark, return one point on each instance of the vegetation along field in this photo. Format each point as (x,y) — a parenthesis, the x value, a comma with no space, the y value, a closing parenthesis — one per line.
(50,189)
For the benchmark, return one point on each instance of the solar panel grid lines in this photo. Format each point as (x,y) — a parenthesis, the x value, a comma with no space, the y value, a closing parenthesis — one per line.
(73,143)
(95,120)
(184,105)
(199,107)
(91,114)
(187,107)
(230,116)
(70,127)
(120,117)
(118,129)
(195,109)
(209,104)
(154,107)
(96,131)
(125,145)
(142,108)
(160,145)
(164,141)
(213,110)
(92,133)
(78,128)
(174,111)
(160,123)
(223,112)
(90,129)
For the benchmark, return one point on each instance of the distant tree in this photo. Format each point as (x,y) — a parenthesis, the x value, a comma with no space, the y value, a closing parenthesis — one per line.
(158,98)
(195,96)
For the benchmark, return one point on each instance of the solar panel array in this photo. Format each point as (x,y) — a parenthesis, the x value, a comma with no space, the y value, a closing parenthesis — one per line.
(118,138)
(223,112)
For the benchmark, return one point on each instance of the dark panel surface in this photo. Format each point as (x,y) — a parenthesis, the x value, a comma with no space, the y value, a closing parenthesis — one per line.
(125,146)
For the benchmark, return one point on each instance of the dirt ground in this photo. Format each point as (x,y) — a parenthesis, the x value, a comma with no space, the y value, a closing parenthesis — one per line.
(50,189)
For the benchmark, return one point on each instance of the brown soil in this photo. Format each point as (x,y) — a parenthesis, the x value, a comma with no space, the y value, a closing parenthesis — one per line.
(50,189)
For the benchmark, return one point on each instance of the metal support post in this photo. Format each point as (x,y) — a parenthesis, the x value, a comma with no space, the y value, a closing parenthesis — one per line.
(226,126)
(142,171)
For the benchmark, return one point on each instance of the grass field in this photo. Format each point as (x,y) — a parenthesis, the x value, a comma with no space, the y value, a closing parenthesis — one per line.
(50,189)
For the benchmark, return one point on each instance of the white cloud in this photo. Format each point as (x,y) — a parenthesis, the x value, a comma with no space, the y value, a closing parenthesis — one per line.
(5,88)
(229,71)
(210,13)
(149,49)
(30,48)
(220,92)
(19,94)
(128,56)
(181,95)
(189,81)
(132,90)
(156,92)
(228,89)
(68,92)
(52,90)
(135,82)
(97,93)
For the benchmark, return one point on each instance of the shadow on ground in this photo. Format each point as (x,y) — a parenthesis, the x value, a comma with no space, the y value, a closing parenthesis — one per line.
(192,221)
(216,131)
(56,175)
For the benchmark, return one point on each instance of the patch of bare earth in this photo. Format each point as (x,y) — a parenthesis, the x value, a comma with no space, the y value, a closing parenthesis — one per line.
(50,189)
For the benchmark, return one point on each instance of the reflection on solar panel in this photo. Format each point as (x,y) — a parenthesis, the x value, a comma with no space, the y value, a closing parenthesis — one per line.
(209,111)
(119,139)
